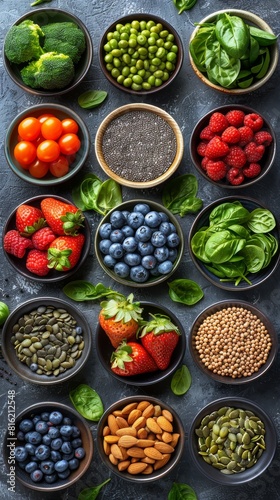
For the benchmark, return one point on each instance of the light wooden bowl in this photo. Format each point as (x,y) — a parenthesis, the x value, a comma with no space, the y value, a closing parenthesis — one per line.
(139,107)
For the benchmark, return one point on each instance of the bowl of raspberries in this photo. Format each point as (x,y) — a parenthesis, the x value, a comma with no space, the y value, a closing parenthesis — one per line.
(233,146)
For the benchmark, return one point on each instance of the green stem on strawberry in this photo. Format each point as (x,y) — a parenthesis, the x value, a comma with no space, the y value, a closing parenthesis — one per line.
(159,324)
(72,221)
(121,356)
(122,309)
(58,259)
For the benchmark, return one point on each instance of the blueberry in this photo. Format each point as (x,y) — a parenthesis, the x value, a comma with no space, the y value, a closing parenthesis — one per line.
(153,219)
(45,416)
(143,233)
(56,443)
(116,250)
(33,437)
(135,219)
(173,240)
(66,430)
(109,261)
(104,246)
(66,447)
(122,270)
(117,219)
(161,253)
(56,417)
(139,274)
(132,259)
(80,453)
(42,452)
(33,367)
(30,448)
(129,244)
(30,467)
(21,453)
(141,207)
(127,231)
(76,432)
(116,236)
(149,261)
(64,474)
(125,214)
(23,464)
(165,267)
(53,432)
(55,456)
(164,217)
(165,228)
(158,239)
(21,436)
(68,456)
(78,330)
(61,465)
(73,464)
(42,427)
(67,421)
(172,227)
(155,272)
(47,466)
(51,478)
(46,439)
(36,419)
(173,252)
(145,248)
(76,443)
(105,230)
(36,476)
(26,425)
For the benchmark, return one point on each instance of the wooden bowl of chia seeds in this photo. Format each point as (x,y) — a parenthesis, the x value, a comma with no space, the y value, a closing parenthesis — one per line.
(139,145)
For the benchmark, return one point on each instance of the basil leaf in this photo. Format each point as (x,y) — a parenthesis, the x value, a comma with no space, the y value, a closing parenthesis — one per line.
(233,35)
(181,491)
(83,290)
(87,402)
(181,381)
(4,312)
(185,291)
(108,196)
(177,191)
(190,205)
(92,493)
(92,98)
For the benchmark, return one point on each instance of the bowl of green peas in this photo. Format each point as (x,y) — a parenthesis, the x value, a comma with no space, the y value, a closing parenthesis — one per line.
(140,53)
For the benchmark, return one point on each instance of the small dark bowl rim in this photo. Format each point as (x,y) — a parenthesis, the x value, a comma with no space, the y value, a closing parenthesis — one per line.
(58,276)
(20,368)
(270,152)
(263,462)
(157,280)
(159,474)
(144,379)
(218,306)
(267,272)
(36,110)
(85,463)
(144,16)
(76,81)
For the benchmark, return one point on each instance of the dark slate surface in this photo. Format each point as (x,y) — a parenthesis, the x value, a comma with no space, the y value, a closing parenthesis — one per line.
(186,101)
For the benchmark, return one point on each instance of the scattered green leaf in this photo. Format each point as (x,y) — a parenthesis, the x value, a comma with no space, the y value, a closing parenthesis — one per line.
(84,290)
(181,491)
(181,381)
(92,493)
(4,312)
(92,98)
(184,5)
(94,194)
(185,291)
(87,402)
(38,2)
(179,195)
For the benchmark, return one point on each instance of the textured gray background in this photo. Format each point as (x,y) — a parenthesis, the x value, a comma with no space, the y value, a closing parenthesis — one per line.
(187,100)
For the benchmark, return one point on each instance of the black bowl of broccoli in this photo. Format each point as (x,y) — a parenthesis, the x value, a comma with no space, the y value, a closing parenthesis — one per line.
(47,51)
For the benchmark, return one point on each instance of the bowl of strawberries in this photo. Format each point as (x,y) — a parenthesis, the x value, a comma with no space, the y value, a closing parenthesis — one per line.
(46,238)
(233,146)
(138,343)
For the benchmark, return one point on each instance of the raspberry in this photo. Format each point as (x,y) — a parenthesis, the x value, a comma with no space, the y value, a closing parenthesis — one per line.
(235,176)
(231,135)
(206,134)
(201,148)
(252,170)
(235,117)
(37,262)
(204,162)
(254,121)
(246,135)
(42,238)
(236,157)
(253,152)
(216,148)
(16,244)
(263,137)
(218,122)
(216,170)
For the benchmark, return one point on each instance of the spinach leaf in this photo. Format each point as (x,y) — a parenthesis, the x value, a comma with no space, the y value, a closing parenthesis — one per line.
(87,402)
(181,381)
(184,5)
(39,2)
(4,312)
(233,34)
(254,258)
(190,205)
(261,221)
(221,246)
(83,290)
(92,493)
(185,291)
(265,64)
(220,66)
(108,196)
(181,491)
(264,38)
(198,243)
(94,194)
(198,46)
(228,213)
(92,98)
(179,195)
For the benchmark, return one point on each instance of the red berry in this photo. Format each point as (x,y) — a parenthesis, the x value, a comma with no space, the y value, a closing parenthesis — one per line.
(252,170)
(216,148)
(236,157)
(201,148)
(253,152)
(218,122)
(235,117)
(206,134)
(16,244)
(231,135)
(204,162)
(246,135)
(37,262)
(42,238)
(235,176)
(263,137)
(216,170)
(254,121)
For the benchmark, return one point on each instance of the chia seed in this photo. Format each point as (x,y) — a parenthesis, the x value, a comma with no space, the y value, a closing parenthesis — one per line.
(139,146)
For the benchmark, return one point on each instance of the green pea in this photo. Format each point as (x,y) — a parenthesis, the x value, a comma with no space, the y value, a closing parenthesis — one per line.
(127,82)
(151,80)
(108,58)
(113,43)
(171,57)
(125,29)
(150,23)
(134,32)
(153,68)
(109,66)
(116,53)
(142,73)
(156,61)
(145,33)
(133,70)
(130,51)
(161,52)
(126,59)
(135,54)
(126,71)
(137,79)
(115,72)
(135,25)
(117,36)
(143,51)
(147,74)
(152,49)
(160,42)
(143,25)
(168,45)
(117,63)
(141,39)
(174,48)
(158,82)
(140,64)
(162,66)
(170,37)
(120,79)
(155,29)
(158,74)
(164,34)
(146,86)
(165,76)
(119,26)
(123,44)
(135,86)
(125,36)
(133,62)
(146,64)
(169,66)
(107,47)
(110,35)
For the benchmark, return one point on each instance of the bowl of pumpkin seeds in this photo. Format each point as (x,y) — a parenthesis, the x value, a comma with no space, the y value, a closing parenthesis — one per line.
(232,440)
(46,341)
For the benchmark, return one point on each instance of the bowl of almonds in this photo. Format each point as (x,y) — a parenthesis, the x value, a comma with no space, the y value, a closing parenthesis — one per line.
(140,438)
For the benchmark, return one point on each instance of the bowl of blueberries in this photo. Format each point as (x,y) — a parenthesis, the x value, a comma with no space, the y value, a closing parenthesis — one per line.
(54,447)
(140,243)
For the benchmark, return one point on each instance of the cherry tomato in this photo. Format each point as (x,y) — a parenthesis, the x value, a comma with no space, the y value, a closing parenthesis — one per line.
(38,168)
(69,144)
(71,158)
(29,128)
(25,152)
(69,126)
(48,150)
(43,117)
(51,128)
(59,167)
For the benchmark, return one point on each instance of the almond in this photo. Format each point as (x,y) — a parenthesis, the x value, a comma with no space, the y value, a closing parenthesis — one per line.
(116,451)
(124,452)
(157,410)
(136,452)
(106,448)
(167,437)
(164,424)
(139,423)
(117,413)
(122,422)
(149,411)
(106,430)
(143,405)
(133,416)
(153,426)
(151,452)
(163,447)
(142,433)
(148,460)
(129,431)
(148,470)
(168,415)
(113,459)
(161,463)
(128,408)
(112,423)
(111,439)
(137,468)
(127,441)
(123,465)
(143,443)
(175,439)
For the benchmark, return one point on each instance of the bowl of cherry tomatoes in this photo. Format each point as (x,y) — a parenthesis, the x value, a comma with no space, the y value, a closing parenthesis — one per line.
(47,144)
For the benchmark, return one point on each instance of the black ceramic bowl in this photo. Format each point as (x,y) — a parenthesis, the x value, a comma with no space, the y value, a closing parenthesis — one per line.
(53,276)
(104,349)
(177,428)
(266,161)
(255,470)
(87,440)
(255,279)
(141,17)
(217,308)
(20,367)
(44,16)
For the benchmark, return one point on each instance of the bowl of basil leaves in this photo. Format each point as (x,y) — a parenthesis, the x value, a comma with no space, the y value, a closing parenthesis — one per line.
(229,63)
(234,243)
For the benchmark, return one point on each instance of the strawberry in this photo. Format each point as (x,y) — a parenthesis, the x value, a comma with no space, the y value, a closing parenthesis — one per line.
(231,135)
(37,262)
(246,135)
(263,137)
(216,170)
(235,176)
(235,117)
(64,252)
(159,337)
(252,170)
(63,218)
(120,318)
(254,121)
(254,152)
(132,359)
(216,148)
(16,244)
(236,157)
(218,122)
(29,219)
(42,238)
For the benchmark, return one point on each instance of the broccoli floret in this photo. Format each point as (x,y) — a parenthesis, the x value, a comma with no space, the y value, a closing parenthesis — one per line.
(65,38)
(50,71)
(22,43)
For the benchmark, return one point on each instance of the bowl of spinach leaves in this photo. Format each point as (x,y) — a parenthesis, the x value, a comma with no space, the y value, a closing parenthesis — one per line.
(234,243)
(233,51)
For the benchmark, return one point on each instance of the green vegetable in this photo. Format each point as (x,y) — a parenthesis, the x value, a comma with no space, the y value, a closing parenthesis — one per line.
(181,381)
(92,98)
(94,194)
(181,491)
(83,290)
(184,5)
(38,2)
(4,312)
(51,71)
(233,35)
(92,493)
(185,291)
(179,195)
(264,38)
(64,38)
(87,402)
(22,43)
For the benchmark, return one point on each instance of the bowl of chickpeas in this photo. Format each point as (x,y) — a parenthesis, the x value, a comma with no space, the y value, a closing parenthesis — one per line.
(140,53)
(233,342)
